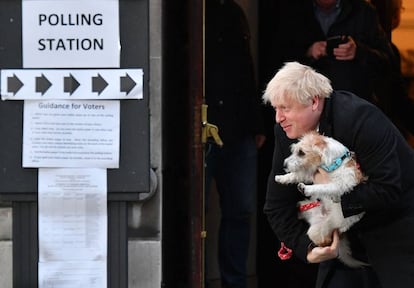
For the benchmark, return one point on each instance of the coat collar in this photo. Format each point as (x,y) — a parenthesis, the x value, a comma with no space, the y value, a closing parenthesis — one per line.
(325,122)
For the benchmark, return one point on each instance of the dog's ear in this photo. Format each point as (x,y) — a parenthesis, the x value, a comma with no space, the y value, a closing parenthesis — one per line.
(318,141)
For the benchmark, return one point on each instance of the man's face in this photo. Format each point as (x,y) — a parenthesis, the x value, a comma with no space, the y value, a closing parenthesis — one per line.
(296,118)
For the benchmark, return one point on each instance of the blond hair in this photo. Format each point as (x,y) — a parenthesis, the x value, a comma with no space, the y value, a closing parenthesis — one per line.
(298,82)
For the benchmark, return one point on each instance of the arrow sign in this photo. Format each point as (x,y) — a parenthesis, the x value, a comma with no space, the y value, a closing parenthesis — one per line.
(127,84)
(98,84)
(70,84)
(14,84)
(22,84)
(42,84)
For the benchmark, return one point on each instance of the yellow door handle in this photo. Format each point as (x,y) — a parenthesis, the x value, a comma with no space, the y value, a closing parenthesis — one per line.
(209,130)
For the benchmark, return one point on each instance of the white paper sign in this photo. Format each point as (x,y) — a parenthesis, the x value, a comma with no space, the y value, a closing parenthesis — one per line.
(70,33)
(65,274)
(64,133)
(72,228)
(72,214)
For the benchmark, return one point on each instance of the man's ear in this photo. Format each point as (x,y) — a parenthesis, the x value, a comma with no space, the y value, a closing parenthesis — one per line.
(315,102)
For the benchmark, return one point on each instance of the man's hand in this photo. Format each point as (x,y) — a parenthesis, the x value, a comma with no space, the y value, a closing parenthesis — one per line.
(320,254)
(346,51)
(317,50)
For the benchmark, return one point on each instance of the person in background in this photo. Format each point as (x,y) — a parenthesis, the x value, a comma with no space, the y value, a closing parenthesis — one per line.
(304,100)
(234,106)
(400,107)
(341,39)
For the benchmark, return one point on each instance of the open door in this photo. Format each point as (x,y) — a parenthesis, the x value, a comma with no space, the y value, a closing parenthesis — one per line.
(183,156)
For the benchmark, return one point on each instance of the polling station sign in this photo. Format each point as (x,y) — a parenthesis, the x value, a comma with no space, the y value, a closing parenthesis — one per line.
(70,33)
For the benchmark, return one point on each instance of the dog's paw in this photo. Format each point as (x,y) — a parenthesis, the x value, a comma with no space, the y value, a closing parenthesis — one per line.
(302,188)
(280,179)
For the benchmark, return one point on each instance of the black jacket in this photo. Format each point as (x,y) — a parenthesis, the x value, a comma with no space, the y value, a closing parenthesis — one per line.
(387,197)
(230,86)
(358,19)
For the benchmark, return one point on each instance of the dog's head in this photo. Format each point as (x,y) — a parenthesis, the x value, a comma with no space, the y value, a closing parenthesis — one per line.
(312,151)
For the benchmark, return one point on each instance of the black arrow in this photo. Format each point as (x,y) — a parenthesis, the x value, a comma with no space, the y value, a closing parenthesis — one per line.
(70,84)
(98,84)
(127,84)
(42,84)
(14,84)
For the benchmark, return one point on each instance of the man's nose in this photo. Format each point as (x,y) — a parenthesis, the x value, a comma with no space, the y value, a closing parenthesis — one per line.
(279,116)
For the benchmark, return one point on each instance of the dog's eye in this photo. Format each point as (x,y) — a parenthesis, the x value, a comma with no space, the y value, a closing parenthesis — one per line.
(301,153)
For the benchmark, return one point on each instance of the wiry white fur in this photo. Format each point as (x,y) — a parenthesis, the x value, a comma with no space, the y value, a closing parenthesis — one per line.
(307,156)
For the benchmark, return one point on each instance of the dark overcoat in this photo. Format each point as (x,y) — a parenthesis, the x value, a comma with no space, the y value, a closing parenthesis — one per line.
(385,235)
(230,92)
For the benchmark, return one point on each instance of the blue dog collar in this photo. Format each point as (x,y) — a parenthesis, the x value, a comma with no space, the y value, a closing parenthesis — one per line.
(337,162)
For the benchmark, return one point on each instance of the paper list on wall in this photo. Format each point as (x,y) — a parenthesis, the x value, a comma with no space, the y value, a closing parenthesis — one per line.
(72,227)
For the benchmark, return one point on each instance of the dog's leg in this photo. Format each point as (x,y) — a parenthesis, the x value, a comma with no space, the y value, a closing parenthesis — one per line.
(345,254)
(320,234)
(323,221)
(349,221)
(331,190)
(337,220)
(289,178)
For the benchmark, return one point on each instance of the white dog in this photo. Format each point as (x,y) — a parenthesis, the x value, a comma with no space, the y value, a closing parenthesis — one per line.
(323,208)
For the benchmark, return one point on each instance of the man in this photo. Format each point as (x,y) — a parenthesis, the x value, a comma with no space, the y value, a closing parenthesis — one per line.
(304,100)
(342,39)
(234,106)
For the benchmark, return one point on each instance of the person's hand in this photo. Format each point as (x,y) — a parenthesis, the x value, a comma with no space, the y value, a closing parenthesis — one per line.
(320,254)
(346,51)
(321,177)
(317,50)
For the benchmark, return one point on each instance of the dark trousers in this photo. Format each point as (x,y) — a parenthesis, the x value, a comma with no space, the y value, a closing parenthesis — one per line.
(234,169)
(339,276)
